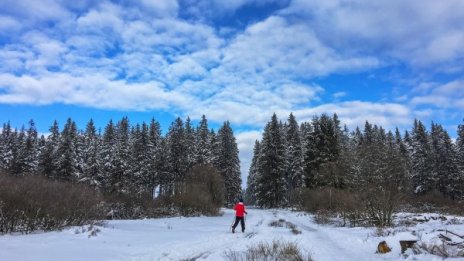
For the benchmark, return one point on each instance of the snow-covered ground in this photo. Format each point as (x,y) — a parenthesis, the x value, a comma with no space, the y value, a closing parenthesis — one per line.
(209,238)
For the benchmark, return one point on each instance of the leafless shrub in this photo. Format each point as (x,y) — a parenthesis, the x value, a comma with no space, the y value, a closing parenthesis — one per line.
(442,250)
(202,191)
(277,250)
(433,201)
(322,217)
(32,203)
(234,255)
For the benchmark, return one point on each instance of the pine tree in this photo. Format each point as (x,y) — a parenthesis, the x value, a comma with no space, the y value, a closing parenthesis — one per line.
(460,148)
(214,147)
(190,144)
(90,143)
(322,146)
(421,160)
(177,154)
(19,154)
(7,142)
(31,150)
(123,178)
(26,161)
(271,182)
(229,163)
(252,179)
(157,165)
(203,142)
(141,161)
(445,167)
(66,159)
(48,154)
(294,154)
(107,160)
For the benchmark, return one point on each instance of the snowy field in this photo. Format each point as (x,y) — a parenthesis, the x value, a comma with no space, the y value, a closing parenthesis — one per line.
(209,238)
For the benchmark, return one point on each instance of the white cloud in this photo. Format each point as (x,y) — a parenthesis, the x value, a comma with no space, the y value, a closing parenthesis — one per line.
(161,7)
(91,90)
(275,47)
(105,19)
(32,12)
(421,33)
(9,25)
(355,113)
(338,95)
(449,95)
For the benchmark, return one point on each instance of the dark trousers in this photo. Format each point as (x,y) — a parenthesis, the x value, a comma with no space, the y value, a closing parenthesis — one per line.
(242,223)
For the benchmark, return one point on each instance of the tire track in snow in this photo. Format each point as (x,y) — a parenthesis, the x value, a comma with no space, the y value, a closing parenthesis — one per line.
(326,243)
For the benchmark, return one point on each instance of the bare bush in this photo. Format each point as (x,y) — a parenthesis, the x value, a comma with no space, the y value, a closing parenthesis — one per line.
(202,191)
(32,203)
(331,202)
(434,201)
(277,250)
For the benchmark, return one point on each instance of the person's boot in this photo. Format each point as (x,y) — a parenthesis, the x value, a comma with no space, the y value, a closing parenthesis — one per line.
(233,230)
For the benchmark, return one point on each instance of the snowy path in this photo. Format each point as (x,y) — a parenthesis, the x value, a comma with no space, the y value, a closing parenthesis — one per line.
(199,238)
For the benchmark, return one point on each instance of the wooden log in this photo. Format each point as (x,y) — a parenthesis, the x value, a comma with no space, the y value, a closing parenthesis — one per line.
(452,233)
(405,244)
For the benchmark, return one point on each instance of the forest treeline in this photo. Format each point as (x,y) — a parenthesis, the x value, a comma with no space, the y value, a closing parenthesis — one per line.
(371,168)
(136,160)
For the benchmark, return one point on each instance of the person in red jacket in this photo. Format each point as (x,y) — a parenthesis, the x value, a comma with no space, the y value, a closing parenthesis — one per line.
(239,215)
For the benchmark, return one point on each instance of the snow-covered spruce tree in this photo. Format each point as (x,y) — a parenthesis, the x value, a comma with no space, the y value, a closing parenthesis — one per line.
(140,160)
(156,166)
(445,168)
(379,174)
(31,150)
(163,178)
(18,163)
(228,163)
(401,146)
(190,143)
(421,160)
(321,146)
(7,148)
(250,194)
(25,151)
(271,182)
(107,159)
(89,150)
(177,155)
(48,153)
(460,151)
(203,142)
(214,145)
(123,177)
(66,158)
(294,156)
(305,130)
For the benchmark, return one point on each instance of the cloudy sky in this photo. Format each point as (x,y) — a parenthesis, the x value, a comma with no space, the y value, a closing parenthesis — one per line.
(386,61)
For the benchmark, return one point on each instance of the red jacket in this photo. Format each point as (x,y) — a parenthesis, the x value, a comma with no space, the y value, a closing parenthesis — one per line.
(239,209)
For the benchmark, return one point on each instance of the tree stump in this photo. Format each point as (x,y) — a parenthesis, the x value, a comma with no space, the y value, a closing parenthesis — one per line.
(405,244)
(383,248)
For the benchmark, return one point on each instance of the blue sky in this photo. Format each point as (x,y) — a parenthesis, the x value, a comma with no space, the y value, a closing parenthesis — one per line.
(386,61)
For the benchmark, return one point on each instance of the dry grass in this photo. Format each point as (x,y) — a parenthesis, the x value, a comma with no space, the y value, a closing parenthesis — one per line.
(277,250)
